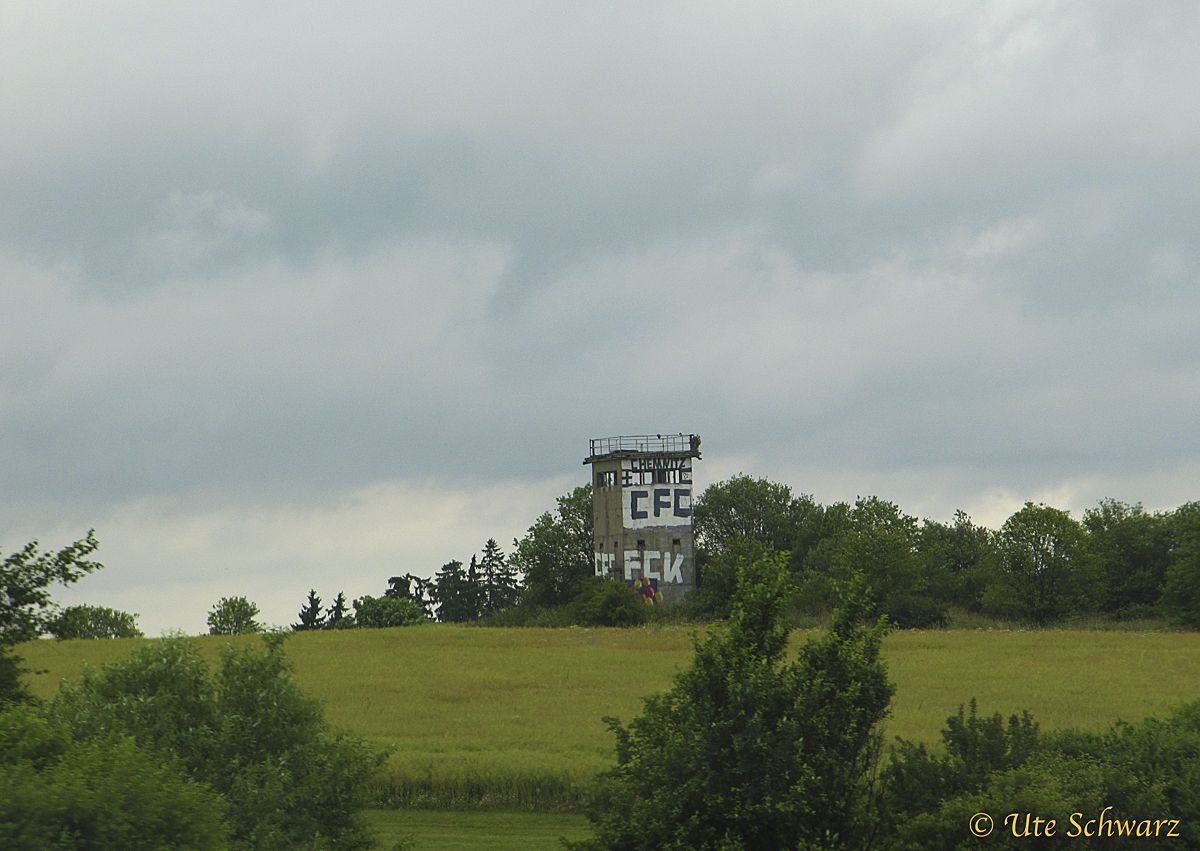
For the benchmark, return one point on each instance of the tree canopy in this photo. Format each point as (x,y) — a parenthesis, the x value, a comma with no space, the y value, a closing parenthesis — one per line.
(556,553)
(747,750)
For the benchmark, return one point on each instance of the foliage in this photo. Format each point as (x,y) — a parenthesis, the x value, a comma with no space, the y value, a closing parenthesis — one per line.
(233,616)
(605,602)
(94,622)
(556,553)
(1130,773)
(1181,585)
(380,612)
(311,615)
(875,538)
(746,750)
(500,586)
(955,557)
(719,575)
(414,588)
(1043,567)
(743,507)
(1133,549)
(916,779)
(12,690)
(337,617)
(457,592)
(59,791)
(249,733)
(26,610)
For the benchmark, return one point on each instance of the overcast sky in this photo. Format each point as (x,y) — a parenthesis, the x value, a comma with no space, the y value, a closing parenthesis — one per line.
(307,295)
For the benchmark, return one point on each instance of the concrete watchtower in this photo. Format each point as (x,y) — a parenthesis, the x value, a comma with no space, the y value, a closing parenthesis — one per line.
(642,512)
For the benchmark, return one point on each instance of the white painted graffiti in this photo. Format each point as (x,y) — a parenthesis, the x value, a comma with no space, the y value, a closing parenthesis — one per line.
(642,508)
(605,562)
(643,560)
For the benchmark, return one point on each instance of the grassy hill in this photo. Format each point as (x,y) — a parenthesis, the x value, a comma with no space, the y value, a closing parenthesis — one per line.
(511,717)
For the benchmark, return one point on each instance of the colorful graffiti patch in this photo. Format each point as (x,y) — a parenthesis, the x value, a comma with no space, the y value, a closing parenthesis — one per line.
(647,589)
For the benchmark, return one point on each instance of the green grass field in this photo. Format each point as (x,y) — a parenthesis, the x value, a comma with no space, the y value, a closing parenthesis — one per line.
(511,717)
(484,830)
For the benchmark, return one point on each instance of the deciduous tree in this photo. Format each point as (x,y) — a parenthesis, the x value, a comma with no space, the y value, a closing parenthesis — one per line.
(94,622)
(747,750)
(1043,567)
(754,509)
(26,608)
(556,552)
(233,616)
(1133,550)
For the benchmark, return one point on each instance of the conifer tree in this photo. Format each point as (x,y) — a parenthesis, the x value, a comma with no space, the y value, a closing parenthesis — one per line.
(415,588)
(455,594)
(310,615)
(336,616)
(498,580)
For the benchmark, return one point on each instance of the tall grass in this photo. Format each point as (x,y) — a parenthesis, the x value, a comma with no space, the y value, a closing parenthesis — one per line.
(479,717)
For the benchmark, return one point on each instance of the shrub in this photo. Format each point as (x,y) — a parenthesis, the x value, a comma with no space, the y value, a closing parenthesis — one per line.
(380,612)
(12,690)
(57,791)
(605,602)
(915,779)
(1132,772)
(250,734)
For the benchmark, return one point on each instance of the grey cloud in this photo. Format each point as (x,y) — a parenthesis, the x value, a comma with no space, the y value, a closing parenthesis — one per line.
(256,257)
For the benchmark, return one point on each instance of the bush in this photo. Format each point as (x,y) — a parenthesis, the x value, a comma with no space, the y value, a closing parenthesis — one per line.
(250,734)
(57,791)
(914,611)
(915,780)
(605,602)
(719,574)
(380,612)
(746,750)
(94,622)
(1149,770)
(12,690)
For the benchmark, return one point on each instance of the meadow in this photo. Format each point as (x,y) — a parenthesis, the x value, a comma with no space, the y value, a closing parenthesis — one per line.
(511,718)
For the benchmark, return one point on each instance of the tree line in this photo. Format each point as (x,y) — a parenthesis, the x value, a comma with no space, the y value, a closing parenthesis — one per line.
(1041,566)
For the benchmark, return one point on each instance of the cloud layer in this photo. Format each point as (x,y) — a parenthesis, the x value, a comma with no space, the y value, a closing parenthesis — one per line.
(287,268)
